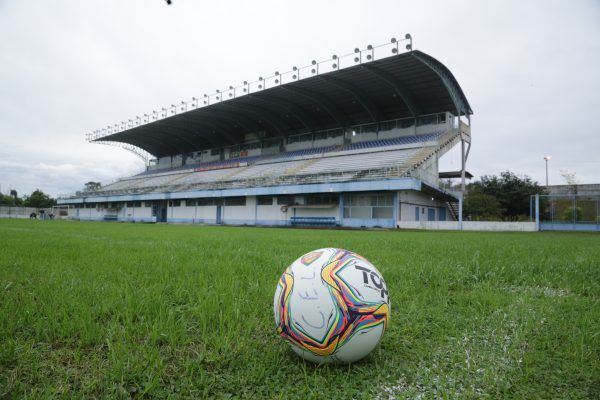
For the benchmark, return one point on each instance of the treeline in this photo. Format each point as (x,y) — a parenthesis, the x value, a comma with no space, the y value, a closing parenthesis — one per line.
(37,199)
(500,198)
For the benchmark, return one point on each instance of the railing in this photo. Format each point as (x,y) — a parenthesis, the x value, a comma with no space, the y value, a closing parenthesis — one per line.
(332,177)
(335,63)
(567,212)
(396,171)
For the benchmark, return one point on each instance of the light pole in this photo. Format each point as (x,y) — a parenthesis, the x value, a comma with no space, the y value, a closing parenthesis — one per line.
(546,158)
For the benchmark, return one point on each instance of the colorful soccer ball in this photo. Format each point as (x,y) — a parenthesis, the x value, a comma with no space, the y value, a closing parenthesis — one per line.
(332,305)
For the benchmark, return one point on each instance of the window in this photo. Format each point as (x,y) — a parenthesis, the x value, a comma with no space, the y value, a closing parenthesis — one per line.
(235,201)
(320,135)
(428,119)
(388,125)
(264,200)
(369,205)
(335,133)
(205,202)
(215,152)
(209,201)
(285,200)
(300,138)
(406,123)
(134,204)
(272,143)
(369,128)
(321,199)
(174,203)
(147,204)
(383,212)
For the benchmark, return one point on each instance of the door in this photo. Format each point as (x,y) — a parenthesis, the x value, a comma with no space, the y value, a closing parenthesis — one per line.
(431,214)
(219,219)
(442,214)
(160,210)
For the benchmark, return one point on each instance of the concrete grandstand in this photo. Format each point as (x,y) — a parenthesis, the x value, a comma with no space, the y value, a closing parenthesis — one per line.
(351,141)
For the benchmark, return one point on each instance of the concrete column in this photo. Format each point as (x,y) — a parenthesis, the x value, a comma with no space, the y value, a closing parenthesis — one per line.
(537,212)
(460,212)
(341,208)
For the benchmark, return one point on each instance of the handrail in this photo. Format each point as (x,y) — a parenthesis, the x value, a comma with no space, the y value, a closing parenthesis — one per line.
(395,171)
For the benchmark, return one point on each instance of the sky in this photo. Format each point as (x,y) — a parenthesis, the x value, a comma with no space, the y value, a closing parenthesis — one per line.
(530,70)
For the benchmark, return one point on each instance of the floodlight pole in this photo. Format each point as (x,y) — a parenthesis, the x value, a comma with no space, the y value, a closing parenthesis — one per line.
(546,158)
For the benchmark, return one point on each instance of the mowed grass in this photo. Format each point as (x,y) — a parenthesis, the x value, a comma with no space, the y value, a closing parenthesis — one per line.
(109,310)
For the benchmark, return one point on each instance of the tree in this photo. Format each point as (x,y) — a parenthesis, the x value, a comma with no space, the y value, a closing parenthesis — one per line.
(570,179)
(11,200)
(39,199)
(92,186)
(6,200)
(573,213)
(510,191)
(482,207)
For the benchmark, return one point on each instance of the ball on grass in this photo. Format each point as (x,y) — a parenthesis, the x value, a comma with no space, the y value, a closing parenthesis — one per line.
(332,305)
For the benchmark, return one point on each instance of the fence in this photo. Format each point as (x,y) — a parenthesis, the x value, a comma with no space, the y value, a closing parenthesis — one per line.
(496,226)
(17,212)
(571,212)
(25,212)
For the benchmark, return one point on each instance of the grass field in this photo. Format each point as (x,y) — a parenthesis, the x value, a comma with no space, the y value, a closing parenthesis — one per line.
(112,310)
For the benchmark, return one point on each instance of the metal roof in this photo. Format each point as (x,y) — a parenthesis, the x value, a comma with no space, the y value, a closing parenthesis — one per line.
(393,87)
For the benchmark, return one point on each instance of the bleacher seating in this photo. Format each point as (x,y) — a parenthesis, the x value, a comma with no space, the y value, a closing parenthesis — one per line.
(352,161)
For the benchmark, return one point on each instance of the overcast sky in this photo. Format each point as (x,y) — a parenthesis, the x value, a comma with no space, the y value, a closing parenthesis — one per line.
(67,67)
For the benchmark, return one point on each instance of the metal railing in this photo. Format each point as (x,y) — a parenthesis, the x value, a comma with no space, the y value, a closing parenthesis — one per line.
(568,212)
(335,63)
(355,174)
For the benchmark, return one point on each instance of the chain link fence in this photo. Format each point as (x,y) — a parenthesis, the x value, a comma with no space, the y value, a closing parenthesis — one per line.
(577,212)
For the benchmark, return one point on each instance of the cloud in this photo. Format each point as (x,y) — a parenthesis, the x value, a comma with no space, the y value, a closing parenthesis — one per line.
(69,67)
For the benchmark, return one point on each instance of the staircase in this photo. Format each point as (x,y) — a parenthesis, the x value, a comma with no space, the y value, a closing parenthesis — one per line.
(448,140)
(294,170)
(453,209)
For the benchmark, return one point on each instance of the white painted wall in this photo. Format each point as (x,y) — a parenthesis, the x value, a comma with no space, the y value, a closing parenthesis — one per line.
(409,199)
(240,214)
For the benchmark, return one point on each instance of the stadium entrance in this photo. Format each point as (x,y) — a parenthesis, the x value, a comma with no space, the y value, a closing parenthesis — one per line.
(159,210)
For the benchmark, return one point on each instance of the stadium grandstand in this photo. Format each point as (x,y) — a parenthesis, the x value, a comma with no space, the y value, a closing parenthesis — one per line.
(351,141)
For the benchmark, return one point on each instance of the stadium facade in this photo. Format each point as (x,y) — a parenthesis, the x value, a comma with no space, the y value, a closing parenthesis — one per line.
(351,141)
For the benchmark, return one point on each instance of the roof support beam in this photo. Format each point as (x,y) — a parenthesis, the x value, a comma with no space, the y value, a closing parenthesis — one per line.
(447,80)
(191,133)
(260,114)
(286,106)
(361,96)
(213,125)
(145,140)
(322,102)
(399,87)
(229,117)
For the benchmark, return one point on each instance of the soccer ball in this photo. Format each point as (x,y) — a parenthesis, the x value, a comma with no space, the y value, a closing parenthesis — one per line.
(331,305)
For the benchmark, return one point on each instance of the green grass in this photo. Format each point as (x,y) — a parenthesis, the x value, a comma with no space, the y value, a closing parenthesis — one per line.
(108,310)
